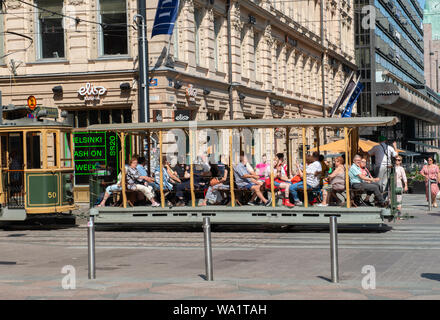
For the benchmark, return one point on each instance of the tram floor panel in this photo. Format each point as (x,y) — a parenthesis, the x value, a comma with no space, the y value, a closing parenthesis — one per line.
(239,215)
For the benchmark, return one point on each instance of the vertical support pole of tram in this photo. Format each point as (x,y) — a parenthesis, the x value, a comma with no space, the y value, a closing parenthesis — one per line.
(347,164)
(288,157)
(91,246)
(231,168)
(162,197)
(208,248)
(191,166)
(147,137)
(306,196)
(123,175)
(334,249)
(272,151)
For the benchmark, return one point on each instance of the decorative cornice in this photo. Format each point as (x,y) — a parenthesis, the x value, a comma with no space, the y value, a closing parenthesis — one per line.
(75,2)
(268,35)
(210,15)
(13,4)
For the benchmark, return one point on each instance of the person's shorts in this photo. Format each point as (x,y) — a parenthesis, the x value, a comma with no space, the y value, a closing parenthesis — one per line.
(113,188)
(277,184)
(248,186)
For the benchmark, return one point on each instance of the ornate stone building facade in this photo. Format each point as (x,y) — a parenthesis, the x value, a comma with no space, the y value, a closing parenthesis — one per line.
(287,59)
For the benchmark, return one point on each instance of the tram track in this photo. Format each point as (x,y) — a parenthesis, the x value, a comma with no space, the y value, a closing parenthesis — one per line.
(415,237)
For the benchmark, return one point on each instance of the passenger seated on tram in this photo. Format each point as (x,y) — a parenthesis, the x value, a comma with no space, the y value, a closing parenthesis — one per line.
(142,168)
(281,179)
(135,182)
(313,172)
(359,181)
(336,183)
(263,168)
(245,180)
(117,187)
(219,181)
(169,177)
(368,174)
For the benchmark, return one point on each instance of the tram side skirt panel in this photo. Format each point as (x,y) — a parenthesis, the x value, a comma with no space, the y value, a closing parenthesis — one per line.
(43,191)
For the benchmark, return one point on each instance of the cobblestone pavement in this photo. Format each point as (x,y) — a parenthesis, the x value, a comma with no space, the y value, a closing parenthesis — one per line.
(146,264)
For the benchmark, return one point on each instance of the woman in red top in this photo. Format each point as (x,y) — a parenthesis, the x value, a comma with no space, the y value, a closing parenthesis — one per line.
(281,179)
(431,173)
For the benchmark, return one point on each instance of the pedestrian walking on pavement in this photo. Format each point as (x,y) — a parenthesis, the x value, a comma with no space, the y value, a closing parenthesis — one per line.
(401,181)
(431,173)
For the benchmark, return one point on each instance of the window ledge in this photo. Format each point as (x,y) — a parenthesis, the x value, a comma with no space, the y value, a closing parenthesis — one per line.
(103,58)
(45,61)
(181,64)
(202,69)
(220,73)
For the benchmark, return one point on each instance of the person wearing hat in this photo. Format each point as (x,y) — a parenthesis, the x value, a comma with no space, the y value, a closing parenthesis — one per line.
(383,154)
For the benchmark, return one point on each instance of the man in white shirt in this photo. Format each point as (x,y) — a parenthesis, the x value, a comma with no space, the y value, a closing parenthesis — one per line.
(313,172)
(383,154)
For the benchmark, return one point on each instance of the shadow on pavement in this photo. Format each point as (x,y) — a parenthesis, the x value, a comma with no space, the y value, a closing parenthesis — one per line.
(431,276)
(324,278)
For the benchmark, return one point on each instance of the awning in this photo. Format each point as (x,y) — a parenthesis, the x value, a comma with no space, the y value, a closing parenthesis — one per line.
(407,153)
(339,146)
(424,145)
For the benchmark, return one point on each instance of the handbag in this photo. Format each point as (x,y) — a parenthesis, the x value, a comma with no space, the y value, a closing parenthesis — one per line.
(296,179)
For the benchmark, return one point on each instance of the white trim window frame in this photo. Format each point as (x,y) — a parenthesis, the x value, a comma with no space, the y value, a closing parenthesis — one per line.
(101,45)
(39,41)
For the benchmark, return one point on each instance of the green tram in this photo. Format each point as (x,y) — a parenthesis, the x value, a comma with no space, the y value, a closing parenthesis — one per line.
(151,137)
(36,164)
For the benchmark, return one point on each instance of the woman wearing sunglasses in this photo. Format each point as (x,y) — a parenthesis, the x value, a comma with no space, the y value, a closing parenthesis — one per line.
(431,173)
(401,182)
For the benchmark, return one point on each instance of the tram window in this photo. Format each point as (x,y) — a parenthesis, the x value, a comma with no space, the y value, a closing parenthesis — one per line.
(66,150)
(4,149)
(51,149)
(34,143)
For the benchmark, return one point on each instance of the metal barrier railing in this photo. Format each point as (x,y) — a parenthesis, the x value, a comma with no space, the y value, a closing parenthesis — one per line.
(208,248)
(14,189)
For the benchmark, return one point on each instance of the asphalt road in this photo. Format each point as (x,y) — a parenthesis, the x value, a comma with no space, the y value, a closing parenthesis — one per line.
(145,264)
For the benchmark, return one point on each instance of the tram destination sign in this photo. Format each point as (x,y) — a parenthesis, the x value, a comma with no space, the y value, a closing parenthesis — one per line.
(94,152)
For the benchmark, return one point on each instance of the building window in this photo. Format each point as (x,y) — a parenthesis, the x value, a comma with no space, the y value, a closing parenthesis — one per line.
(84,118)
(197,24)
(113,31)
(50,41)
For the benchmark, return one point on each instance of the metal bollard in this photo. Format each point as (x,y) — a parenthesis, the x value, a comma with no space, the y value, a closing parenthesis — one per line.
(208,248)
(91,246)
(334,249)
(429,194)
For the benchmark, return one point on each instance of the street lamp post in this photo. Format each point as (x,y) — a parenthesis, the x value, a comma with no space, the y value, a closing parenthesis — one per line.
(144,65)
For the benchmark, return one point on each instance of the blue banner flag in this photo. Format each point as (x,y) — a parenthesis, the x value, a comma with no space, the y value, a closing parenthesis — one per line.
(354,96)
(166,15)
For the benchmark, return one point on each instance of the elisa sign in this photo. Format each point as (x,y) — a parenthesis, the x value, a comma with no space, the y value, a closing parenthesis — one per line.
(91,93)
(31,102)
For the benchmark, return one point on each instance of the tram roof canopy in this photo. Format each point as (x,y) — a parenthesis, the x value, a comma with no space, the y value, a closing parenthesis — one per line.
(27,122)
(249,123)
